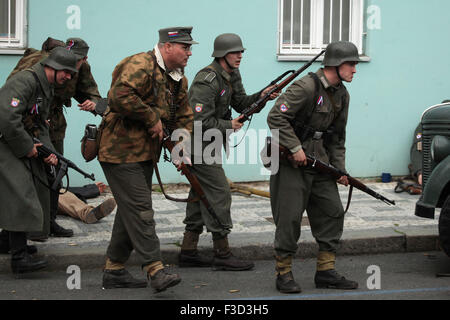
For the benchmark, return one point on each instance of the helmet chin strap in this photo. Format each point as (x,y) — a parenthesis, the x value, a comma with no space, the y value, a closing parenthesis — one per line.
(54,76)
(228,64)
(338,74)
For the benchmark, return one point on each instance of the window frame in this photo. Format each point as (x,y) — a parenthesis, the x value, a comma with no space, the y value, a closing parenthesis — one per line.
(17,44)
(357,34)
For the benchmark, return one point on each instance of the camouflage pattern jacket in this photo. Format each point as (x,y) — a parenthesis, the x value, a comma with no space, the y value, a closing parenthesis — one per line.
(81,87)
(139,97)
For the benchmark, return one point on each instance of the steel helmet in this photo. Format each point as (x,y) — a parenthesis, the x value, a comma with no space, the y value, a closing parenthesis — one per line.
(339,52)
(61,59)
(226,43)
(78,46)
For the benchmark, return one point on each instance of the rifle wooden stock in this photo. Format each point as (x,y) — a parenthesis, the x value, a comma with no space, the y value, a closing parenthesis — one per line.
(193,181)
(258,105)
(336,174)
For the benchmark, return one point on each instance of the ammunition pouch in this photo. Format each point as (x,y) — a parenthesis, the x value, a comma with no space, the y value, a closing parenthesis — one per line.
(305,132)
(89,146)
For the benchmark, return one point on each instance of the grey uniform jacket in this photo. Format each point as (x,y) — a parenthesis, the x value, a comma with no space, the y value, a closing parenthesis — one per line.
(328,110)
(24,199)
(212,93)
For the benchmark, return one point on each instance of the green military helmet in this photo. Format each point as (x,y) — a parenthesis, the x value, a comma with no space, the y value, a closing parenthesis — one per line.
(78,46)
(339,52)
(226,43)
(61,59)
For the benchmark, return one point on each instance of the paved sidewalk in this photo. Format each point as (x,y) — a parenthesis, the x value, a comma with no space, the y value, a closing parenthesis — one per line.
(371,226)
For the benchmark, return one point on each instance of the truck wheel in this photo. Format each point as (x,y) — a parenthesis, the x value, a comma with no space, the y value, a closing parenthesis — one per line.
(444,226)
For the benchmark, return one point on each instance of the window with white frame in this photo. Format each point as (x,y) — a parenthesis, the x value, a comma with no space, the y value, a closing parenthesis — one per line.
(12,25)
(308,26)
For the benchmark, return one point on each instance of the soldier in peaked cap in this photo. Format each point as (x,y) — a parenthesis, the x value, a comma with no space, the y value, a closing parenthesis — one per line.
(215,90)
(148,91)
(311,117)
(82,87)
(24,106)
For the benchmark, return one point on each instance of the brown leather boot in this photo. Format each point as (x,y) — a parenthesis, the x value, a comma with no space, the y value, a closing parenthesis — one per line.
(101,211)
(224,259)
(189,255)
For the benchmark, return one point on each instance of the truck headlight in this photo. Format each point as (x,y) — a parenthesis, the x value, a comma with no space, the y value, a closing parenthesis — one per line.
(440,148)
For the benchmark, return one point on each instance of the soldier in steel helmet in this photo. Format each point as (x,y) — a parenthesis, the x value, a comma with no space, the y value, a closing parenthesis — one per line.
(82,87)
(24,107)
(215,90)
(148,91)
(311,117)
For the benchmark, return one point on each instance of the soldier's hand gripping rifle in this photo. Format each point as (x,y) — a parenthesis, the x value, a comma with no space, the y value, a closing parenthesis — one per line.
(64,164)
(169,145)
(259,104)
(325,168)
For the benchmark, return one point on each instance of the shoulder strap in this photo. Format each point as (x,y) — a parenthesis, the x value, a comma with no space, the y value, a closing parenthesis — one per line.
(39,89)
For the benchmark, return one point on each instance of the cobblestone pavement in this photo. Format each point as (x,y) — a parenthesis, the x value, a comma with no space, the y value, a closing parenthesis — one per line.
(252,215)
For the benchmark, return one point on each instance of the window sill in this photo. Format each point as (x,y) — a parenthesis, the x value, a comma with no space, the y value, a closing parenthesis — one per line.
(308,57)
(12,51)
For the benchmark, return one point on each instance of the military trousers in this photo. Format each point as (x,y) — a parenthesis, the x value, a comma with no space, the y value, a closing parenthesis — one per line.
(134,224)
(294,190)
(217,191)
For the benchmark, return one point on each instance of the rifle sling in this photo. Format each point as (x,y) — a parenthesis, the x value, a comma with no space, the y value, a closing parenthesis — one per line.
(158,177)
(349,199)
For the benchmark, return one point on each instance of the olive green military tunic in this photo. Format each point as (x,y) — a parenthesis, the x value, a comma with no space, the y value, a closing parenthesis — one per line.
(211,95)
(140,96)
(24,198)
(294,190)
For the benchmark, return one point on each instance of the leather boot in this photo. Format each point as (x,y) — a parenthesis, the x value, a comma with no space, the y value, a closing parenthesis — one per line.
(160,278)
(113,279)
(163,280)
(101,211)
(330,279)
(189,255)
(224,259)
(286,284)
(21,260)
(57,231)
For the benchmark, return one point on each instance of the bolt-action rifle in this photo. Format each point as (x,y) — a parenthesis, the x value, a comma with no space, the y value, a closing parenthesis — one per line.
(259,104)
(64,164)
(335,173)
(169,145)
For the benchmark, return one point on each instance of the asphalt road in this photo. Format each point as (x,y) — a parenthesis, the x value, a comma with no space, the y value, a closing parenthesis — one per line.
(406,276)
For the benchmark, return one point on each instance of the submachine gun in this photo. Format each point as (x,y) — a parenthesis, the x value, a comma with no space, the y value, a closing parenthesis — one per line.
(63,165)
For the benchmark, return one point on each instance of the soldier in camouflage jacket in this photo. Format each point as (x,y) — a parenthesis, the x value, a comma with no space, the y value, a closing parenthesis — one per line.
(144,88)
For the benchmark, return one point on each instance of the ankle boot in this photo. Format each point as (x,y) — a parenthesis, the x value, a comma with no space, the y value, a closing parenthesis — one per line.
(330,279)
(285,283)
(224,259)
(23,262)
(113,279)
(189,255)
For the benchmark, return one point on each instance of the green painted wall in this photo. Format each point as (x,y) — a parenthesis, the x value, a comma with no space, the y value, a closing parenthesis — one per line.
(406,74)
